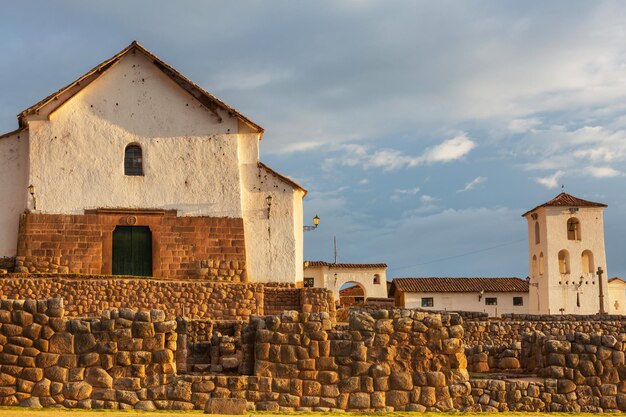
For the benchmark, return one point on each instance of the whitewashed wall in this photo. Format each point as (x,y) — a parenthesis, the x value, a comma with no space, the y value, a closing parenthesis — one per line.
(324,277)
(617,297)
(273,239)
(469,302)
(555,290)
(13,184)
(190,159)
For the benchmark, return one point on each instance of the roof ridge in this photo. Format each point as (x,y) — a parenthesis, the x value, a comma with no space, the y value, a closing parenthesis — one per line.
(564,199)
(183,82)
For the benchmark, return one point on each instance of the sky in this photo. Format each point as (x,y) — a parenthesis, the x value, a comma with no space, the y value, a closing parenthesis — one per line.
(422,130)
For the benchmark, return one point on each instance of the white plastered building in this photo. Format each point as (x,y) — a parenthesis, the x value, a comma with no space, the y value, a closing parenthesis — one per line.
(566,251)
(135,144)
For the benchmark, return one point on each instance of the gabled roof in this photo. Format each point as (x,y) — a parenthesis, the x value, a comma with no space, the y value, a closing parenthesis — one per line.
(447,284)
(282,178)
(313,264)
(204,97)
(567,200)
(618,279)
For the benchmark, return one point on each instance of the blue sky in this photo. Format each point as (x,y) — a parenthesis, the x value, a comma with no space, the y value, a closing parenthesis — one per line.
(423,130)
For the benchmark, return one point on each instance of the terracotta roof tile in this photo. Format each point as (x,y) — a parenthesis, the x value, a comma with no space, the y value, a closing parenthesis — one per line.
(333,265)
(448,284)
(567,200)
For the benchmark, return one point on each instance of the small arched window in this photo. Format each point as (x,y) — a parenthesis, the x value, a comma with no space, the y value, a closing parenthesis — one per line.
(564,262)
(133,160)
(376,279)
(534,266)
(537,233)
(587,261)
(541,264)
(573,229)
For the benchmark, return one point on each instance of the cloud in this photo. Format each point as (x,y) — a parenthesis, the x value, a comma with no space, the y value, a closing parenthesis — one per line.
(427,199)
(393,159)
(298,147)
(473,183)
(450,150)
(364,181)
(523,125)
(550,181)
(602,172)
(400,193)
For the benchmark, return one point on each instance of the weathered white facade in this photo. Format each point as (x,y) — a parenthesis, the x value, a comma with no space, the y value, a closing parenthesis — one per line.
(617,296)
(566,248)
(494,296)
(372,278)
(446,301)
(200,158)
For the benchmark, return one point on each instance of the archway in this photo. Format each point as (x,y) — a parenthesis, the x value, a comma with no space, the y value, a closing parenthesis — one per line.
(351,293)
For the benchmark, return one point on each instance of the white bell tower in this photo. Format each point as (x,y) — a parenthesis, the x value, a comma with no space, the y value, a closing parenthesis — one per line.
(566,251)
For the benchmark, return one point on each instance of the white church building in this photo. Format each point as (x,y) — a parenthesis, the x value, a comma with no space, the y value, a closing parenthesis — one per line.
(133,169)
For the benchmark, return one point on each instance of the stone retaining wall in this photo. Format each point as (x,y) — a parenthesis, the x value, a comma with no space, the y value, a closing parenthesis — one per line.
(116,361)
(90,295)
(387,360)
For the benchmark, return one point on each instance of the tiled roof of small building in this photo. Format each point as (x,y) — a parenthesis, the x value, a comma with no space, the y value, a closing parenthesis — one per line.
(448,284)
(567,200)
(312,264)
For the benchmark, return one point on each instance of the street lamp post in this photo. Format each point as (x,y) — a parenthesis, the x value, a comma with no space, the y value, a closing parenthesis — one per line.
(316,222)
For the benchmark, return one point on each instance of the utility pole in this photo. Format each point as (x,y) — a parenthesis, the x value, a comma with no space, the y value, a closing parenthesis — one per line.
(335,247)
(601,296)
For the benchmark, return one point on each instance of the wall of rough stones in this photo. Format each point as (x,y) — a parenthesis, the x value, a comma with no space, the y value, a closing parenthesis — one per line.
(7,264)
(116,361)
(495,345)
(392,360)
(386,360)
(86,295)
(89,295)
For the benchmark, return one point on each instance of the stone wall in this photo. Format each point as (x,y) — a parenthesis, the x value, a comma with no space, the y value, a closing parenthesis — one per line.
(116,361)
(7,264)
(195,299)
(181,246)
(90,295)
(495,345)
(388,360)
(393,360)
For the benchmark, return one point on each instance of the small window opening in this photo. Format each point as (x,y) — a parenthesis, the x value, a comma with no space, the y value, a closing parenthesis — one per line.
(537,239)
(518,301)
(376,279)
(587,261)
(309,282)
(133,161)
(428,302)
(564,267)
(491,301)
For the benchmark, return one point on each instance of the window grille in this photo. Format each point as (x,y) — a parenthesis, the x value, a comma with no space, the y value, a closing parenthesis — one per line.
(133,161)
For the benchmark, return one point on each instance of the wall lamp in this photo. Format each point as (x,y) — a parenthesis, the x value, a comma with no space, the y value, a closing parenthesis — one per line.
(316,222)
(268,200)
(480,295)
(31,191)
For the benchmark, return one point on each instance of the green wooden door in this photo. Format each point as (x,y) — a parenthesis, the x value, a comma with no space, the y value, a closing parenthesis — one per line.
(132,251)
